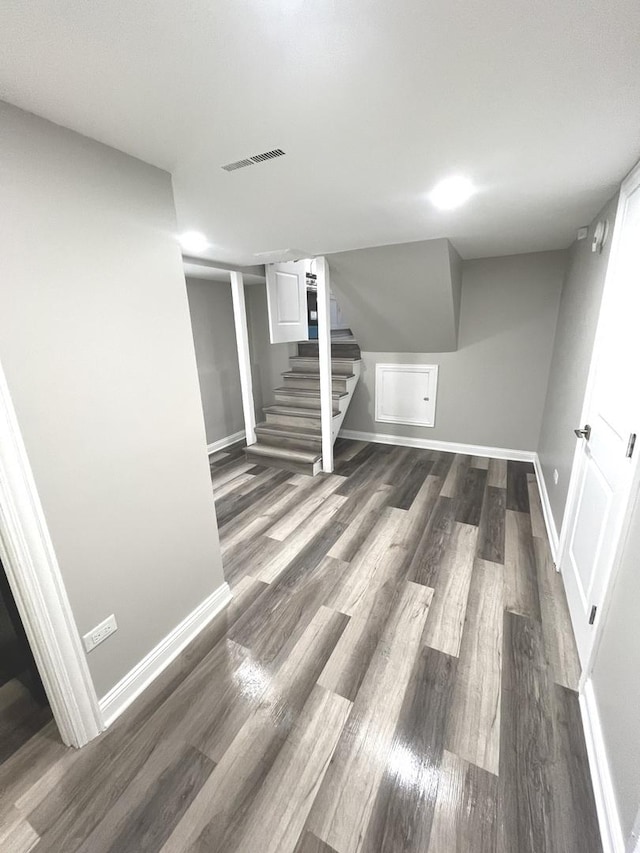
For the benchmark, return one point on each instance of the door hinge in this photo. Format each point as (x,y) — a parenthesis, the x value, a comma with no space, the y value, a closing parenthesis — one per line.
(631,445)
(592,615)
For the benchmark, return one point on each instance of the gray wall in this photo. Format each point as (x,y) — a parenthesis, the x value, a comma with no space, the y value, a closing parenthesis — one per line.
(97,348)
(268,360)
(577,320)
(211,309)
(617,684)
(492,390)
(400,297)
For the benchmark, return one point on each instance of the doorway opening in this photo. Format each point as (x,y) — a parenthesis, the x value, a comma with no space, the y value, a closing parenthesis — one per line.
(24,708)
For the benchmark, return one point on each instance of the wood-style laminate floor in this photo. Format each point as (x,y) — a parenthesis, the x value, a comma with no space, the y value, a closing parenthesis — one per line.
(396,672)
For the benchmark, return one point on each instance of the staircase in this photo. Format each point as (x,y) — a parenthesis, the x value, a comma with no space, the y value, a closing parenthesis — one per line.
(291,435)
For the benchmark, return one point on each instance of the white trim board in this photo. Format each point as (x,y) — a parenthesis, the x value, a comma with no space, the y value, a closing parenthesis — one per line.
(221,443)
(140,677)
(549,521)
(447,446)
(36,582)
(608,817)
(244,357)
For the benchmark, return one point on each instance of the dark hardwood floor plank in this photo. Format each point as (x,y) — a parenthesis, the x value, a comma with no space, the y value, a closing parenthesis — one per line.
(427,555)
(363,519)
(492,523)
(257,469)
(229,479)
(497,473)
(480,462)
(310,843)
(303,511)
(410,477)
(281,806)
(16,834)
(465,819)
(404,806)
(442,462)
(36,770)
(380,559)
(227,456)
(235,503)
(220,809)
(348,665)
(21,717)
(373,471)
(349,467)
(249,557)
(456,475)
(417,517)
(538,527)
(344,804)
(277,619)
(263,514)
(231,485)
(521,583)
(80,799)
(559,641)
(448,608)
(240,681)
(306,540)
(152,805)
(32,766)
(473,726)
(574,823)
(525,791)
(517,485)
(470,500)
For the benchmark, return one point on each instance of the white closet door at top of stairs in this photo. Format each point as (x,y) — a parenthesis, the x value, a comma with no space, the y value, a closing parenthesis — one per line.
(287,301)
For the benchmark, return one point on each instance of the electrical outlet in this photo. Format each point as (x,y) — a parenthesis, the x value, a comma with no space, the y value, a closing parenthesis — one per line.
(100,633)
(556,476)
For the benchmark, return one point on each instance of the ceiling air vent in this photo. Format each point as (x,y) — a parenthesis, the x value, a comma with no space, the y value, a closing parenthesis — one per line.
(256,158)
(268,155)
(239,164)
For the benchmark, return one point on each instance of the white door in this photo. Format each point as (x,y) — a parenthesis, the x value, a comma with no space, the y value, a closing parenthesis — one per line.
(605,458)
(287,301)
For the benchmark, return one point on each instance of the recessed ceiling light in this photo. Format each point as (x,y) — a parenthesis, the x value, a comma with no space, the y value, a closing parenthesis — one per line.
(193,241)
(451,192)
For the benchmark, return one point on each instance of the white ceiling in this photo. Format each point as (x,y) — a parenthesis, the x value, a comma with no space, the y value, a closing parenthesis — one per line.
(373,102)
(193,269)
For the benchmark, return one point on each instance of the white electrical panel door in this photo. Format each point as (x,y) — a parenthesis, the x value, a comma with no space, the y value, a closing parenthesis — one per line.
(406,393)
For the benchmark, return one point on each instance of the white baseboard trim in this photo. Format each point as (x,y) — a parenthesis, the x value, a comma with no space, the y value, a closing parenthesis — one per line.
(550,524)
(221,443)
(448,446)
(607,808)
(140,677)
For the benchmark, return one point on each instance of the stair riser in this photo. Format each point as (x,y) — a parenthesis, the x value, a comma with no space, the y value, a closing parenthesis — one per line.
(284,399)
(293,420)
(282,464)
(338,350)
(291,443)
(314,384)
(312,366)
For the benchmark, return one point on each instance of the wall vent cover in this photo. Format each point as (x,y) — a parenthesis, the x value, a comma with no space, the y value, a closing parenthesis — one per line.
(256,158)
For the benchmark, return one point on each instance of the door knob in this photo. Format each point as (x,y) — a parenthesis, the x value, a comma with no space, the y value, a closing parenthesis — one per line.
(585,432)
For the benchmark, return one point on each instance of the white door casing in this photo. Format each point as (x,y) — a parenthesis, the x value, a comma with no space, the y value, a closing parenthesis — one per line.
(34,576)
(287,301)
(603,474)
